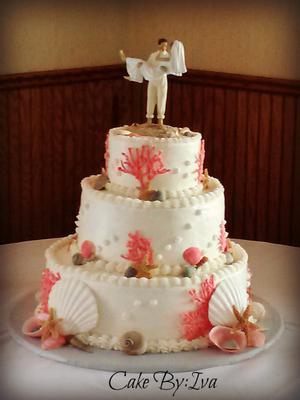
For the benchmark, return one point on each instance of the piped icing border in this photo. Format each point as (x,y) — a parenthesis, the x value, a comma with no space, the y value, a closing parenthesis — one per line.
(153,345)
(112,272)
(166,194)
(215,189)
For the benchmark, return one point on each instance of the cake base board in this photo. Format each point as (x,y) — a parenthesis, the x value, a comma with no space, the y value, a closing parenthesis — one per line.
(112,360)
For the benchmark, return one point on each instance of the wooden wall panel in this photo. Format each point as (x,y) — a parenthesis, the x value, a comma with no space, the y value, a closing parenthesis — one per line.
(53,127)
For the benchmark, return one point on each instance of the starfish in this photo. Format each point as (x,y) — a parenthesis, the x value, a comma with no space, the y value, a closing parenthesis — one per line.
(243,321)
(144,270)
(205,179)
(50,327)
(229,246)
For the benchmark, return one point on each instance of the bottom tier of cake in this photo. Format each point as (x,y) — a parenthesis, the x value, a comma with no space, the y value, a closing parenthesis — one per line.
(170,312)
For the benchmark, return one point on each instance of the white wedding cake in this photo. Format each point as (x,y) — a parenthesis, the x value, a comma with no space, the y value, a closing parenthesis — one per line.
(150,267)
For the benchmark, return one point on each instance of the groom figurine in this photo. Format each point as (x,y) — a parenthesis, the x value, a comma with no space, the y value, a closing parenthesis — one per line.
(155,71)
(158,64)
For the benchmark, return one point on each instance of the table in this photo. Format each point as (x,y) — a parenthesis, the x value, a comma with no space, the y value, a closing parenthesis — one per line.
(274,374)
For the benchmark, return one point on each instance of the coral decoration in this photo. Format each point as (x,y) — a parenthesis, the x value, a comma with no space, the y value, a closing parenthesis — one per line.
(192,255)
(222,238)
(139,249)
(106,155)
(200,161)
(144,164)
(48,280)
(196,323)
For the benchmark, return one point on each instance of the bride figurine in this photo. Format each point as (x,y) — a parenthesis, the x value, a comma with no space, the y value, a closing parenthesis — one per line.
(155,70)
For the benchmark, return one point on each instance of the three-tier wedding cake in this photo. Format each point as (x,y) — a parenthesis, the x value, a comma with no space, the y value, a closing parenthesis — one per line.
(150,267)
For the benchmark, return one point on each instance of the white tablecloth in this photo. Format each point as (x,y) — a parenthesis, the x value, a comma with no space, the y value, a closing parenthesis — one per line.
(274,374)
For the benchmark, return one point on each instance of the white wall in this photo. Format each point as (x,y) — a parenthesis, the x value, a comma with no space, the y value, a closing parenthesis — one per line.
(244,37)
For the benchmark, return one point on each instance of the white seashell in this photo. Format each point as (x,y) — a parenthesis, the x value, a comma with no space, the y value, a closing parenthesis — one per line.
(257,310)
(76,304)
(230,291)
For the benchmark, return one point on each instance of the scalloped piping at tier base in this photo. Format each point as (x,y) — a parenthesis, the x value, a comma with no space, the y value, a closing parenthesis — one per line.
(153,346)
(58,260)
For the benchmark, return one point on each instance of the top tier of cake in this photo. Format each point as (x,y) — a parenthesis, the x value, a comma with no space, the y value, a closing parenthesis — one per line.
(154,157)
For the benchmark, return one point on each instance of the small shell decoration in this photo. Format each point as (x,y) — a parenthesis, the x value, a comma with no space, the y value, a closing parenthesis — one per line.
(257,310)
(76,304)
(87,249)
(100,182)
(133,343)
(192,255)
(231,291)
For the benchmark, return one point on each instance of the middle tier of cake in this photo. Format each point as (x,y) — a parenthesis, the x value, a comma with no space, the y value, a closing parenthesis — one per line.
(172,226)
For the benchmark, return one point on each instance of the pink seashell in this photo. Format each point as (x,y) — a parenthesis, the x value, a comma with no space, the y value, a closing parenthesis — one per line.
(50,343)
(227,339)
(87,249)
(40,314)
(32,327)
(256,338)
(192,255)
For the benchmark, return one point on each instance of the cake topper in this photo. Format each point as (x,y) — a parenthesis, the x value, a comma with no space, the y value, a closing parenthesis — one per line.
(155,70)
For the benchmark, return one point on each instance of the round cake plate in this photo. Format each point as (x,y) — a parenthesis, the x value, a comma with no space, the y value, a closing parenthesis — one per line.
(111,360)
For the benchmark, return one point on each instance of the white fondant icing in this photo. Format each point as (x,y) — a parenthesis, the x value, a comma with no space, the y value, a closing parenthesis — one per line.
(111,215)
(175,151)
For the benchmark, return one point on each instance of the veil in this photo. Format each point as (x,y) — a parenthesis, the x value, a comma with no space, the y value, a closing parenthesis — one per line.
(178,66)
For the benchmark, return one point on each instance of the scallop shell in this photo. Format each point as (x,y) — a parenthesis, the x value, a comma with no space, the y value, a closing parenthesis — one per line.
(76,304)
(231,291)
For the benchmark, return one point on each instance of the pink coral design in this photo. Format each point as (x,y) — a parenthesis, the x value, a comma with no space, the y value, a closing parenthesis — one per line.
(222,237)
(139,249)
(144,164)
(48,280)
(200,161)
(196,323)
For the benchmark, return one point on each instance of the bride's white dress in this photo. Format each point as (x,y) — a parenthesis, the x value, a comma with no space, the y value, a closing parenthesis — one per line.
(139,69)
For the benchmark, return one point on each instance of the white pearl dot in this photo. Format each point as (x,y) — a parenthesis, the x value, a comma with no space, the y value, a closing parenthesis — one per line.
(125,315)
(153,303)
(165,269)
(168,247)
(176,270)
(137,303)
(178,239)
(159,257)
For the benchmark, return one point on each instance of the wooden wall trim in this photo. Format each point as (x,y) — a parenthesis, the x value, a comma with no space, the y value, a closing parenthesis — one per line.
(209,78)
(52,133)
